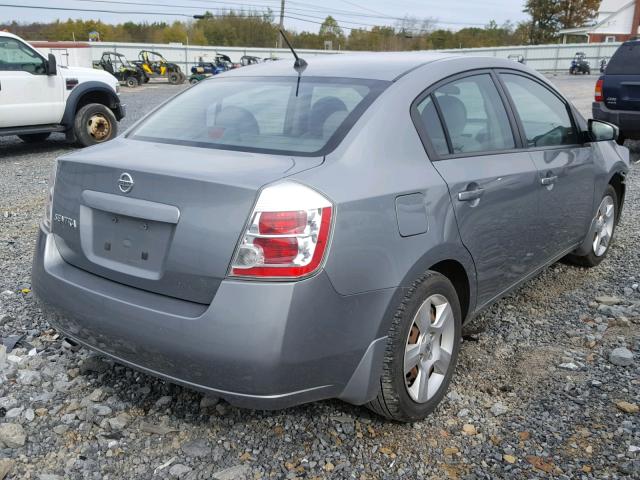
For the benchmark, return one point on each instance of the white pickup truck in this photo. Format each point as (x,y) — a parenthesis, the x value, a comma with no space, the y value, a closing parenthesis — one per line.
(38,98)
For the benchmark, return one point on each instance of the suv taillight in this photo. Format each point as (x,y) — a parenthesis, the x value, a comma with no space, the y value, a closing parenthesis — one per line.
(287,236)
(599,97)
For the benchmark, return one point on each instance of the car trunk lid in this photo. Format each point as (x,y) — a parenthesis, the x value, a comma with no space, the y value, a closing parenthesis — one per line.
(175,230)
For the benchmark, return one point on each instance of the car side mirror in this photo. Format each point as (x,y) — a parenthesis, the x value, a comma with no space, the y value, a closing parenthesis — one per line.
(52,68)
(600,131)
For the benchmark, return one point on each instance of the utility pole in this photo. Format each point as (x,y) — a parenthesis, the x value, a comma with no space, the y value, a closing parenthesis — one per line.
(281,23)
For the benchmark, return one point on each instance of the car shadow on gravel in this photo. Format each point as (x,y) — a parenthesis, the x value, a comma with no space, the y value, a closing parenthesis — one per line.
(11,151)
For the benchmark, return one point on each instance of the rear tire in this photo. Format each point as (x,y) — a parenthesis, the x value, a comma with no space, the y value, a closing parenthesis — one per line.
(132,82)
(607,214)
(34,137)
(94,123)
(422,350)
(174,78)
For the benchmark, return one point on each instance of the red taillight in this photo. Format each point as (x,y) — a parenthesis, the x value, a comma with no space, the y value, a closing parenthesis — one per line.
(279,223)
(278,251)
(288,234)
(599,97)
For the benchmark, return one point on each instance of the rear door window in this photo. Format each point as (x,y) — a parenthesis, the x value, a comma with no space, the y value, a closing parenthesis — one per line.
(432,126)
(474,116)
(263,114)
(544,116)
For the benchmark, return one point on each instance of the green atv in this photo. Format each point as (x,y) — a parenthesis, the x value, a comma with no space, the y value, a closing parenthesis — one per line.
(118,66)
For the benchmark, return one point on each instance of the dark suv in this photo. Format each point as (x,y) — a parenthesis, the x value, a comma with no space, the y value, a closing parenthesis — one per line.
(617,96)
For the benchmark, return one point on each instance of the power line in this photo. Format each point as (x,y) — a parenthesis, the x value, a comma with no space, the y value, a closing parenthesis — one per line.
(70,9)
(294,16)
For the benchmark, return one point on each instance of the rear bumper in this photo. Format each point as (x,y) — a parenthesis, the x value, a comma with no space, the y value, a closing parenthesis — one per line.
(628,121)
(258,345)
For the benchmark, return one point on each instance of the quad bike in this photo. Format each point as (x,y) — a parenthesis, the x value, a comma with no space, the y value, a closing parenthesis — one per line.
(249,60)
(156,66)
(221,63)
(118,66)
(579,64)
(198,77)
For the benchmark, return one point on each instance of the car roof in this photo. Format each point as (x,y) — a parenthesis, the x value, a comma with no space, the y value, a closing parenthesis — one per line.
(374,66)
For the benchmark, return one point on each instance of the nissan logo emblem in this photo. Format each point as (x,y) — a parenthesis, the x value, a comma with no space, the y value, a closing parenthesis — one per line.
(125,183)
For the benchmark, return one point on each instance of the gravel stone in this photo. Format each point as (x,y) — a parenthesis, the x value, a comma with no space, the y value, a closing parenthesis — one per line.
(12,435)
(119,422)
(238,472)
(196,448)
(29,377)
(608,300)
(498,409)
(6,465)
(179,470)
(621,357)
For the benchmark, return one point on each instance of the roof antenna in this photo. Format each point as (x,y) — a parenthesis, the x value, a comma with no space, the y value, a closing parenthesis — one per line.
(299,65)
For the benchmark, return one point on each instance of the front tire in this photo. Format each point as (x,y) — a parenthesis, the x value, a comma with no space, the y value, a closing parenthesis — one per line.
(174,78)
(606,220)
(34,137)
(422,351)
(94,123)
(132,82)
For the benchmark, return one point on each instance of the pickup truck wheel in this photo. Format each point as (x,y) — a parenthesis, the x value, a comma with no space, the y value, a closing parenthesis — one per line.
(422,350)
(34,137)
(94,123)
(132,82)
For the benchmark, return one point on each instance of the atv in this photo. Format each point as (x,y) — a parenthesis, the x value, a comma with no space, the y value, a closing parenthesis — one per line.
(221,63)
(249,60)
(579,64)
(198,77)
(207,68)
(156,66)
(118,66)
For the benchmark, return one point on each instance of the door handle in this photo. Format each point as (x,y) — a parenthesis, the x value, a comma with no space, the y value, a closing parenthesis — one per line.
(470,195)
(548,180)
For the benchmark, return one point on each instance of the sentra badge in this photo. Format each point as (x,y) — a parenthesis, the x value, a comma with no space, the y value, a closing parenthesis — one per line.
(68,221)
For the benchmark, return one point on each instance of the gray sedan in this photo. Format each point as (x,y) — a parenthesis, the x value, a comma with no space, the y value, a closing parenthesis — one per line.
(276,236)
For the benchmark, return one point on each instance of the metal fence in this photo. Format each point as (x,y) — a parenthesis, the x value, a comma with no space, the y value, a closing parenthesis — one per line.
(541,57)
(549,57)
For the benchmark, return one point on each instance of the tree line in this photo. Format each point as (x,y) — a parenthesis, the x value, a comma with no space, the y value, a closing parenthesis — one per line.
(253,29)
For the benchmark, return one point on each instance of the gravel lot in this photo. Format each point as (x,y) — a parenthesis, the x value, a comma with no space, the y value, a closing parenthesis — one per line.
(535,394)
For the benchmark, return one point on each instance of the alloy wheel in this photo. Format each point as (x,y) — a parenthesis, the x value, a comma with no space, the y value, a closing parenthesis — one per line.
(428,348)
(605,219)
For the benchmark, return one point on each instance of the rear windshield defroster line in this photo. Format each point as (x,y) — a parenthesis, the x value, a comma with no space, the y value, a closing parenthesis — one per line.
(263,114)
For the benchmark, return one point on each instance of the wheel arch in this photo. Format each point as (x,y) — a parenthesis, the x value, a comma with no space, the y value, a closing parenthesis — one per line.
(456,264)
(617,181)
(86,93)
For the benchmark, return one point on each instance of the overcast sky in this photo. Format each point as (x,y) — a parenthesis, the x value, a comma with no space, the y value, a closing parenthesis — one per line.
(453,14)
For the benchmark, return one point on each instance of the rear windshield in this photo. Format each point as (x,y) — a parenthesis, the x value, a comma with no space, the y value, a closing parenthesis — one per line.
(263,114)
(626,60)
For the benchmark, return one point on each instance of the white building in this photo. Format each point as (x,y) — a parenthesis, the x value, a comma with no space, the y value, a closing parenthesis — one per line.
(616,21)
